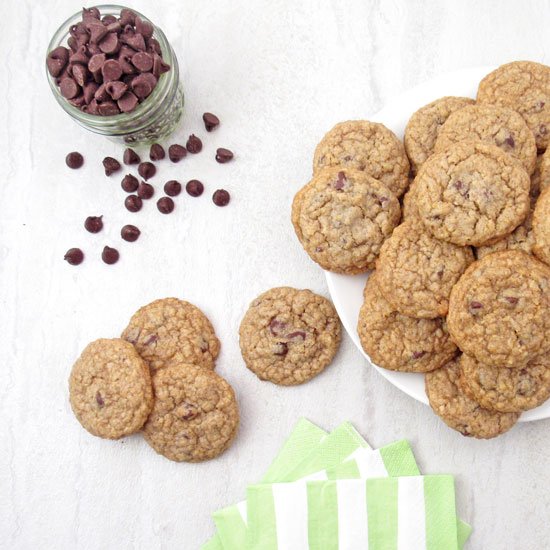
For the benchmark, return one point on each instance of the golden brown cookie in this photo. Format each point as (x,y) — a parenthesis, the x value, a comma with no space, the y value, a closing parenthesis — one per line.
(472,194)
(458,410)
(507,390)
(499,126)
(110,389)
(397,342)
(544,178)
(167,328)
(424,126)
(523,86)
(288,336)
(368,147)
(499,311)
(342,217)
(541,227)
(195,417)
(408,206)
(416,272)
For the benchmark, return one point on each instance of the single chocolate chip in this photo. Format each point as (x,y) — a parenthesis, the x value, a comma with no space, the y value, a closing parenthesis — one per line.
(211,121)
(110,255)
(221,197)
(89,91)
(127,102)
(94,224)
(96,62)
(74,160)
(110,44)
(130,157)
(145,190)
(111,70)
(80,56)
(147,170)
(141,86)
(116,89)
(176,152)
(165,205)
(127,17)
(142,61)
(194,188)
(108,108)
(110,20)
(223,155)
(134,40)
(153,46)
(111,165)
(74,256)
(129,183)
(57,60)
(159,66)
(97,32)
(172,188)
(130,233)
(90,14)
(156,152)
(194,144)
(133,203)
(144,27)
(101,94)
(68,88)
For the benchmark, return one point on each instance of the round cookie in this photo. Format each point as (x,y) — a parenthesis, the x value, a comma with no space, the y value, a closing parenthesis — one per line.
(368,147)
(342,217)
(458,410)
(288,336)
(523,86)
(397,342)
(499,311)
(195,416)
(416,272)
(167,328)
(541,227)
(492,124)
(507,390)
(472,194)
(424,125)
(110,389)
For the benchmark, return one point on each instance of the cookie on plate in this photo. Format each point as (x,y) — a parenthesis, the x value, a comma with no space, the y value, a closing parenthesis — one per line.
(507,390)
(368,147)
(110,389)
(167,328)
(458,410)
(472,194)
(499,311)
(523,86)
(288,336)
(424,125)
(492,124)
(195,416)
(416,272)
(342,217)
(398,342)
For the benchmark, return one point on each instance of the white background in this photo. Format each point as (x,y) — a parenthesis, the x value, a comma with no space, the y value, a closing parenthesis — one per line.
(279,74)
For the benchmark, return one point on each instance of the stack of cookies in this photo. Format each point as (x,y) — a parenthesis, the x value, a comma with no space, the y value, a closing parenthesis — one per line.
(158,378)
(461,289)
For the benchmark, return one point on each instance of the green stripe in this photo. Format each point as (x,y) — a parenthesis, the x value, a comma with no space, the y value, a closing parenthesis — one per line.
(382,513)
(346,470)
(439,502)
(464,531)
(231,527)
(399,459)
(212,544)
(322,504)
(262,529)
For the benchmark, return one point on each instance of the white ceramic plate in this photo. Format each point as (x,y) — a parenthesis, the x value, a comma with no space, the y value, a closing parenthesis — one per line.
(346,290)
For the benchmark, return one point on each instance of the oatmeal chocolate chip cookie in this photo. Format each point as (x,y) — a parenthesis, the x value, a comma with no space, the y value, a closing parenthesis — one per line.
(342,217)
(499,311)
(170,327)
(416,272)
(544,174)
(368,147)
(424,126)
(523,86)
(195,416)
(288,336)
(110,389)
(408,206)
(472,194)
(492,124)
(507,390)
(541,227)
(458,410)
(537,182)
(398,342)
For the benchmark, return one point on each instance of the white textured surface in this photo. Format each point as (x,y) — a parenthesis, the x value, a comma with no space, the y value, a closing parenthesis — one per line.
(278,73)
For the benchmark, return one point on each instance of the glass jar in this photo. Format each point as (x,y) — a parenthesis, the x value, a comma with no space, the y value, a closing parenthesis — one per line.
(153,119)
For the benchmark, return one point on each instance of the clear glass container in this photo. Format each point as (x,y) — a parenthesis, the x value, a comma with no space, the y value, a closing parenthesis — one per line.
(153,119)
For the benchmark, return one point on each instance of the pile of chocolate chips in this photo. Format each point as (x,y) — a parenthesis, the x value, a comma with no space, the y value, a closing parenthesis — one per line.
(142,191)
(111,64)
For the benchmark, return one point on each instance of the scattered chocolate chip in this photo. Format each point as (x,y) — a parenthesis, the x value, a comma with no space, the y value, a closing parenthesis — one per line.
(280,348)
(172,188)
(145,190)
(176,152)
(210,121)
(111,165)
(99,399)
(131,157)
(133,203)
(221,197)
(74,160)
(93,224)
(223,155)
(129,183)
(165,205)
(110,255)
(156,152)
(147,170)
(74,256)
(194,188)
(130,233)
(194,144)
